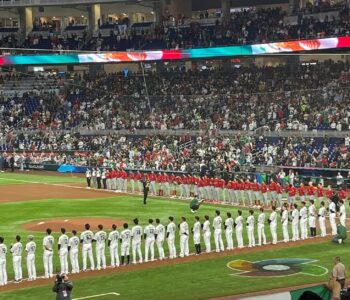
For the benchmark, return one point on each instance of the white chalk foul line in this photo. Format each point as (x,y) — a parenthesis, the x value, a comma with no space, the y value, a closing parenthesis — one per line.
(96,296)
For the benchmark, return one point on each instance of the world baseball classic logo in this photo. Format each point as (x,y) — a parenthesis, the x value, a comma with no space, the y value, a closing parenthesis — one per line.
(276,267)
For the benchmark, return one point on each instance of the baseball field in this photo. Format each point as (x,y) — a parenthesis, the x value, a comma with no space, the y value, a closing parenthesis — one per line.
(29,203)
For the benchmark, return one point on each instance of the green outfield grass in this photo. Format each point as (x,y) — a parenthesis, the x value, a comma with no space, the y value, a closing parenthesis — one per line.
(195,280)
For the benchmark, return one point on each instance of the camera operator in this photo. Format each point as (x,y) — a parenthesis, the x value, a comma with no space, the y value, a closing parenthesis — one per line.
(63,287)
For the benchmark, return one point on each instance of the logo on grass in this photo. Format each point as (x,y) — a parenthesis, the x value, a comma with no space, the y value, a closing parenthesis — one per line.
(276,267)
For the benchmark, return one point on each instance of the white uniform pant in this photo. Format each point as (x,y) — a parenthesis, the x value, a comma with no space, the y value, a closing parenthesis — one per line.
(229,239)
(251,238)
(312,221)
(101,256)
(153,188)
(342,220)
(17,267)
(239,237)
(184,245)
(273,233)
(303,229)
(3,272)
(160,242)
(285,232)
(48,263)
(31,266)
(333,223)
(113,250)
(219,244)
(261,234)
(172,248)
(139,184)
(206,238)
(167,189)
(125,249)
(74,260)
(322,223)
(149,247)
(63,254)
(87,252)
(236,199)
(136,250)
(108,182)
(132,184)
(113,183)
(295,230)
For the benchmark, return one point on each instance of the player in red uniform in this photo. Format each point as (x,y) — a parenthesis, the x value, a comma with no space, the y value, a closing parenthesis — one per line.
(320,192)
(272,189)
(179,182)
(235,187)
(301,192)
(114,175)
(139,181)
(153,179)
(248,190)
(124,181)
(160,184)
(173,183)
(291,195)
(264,194)
(166,184)
(279,194)
(242,191)
(256,189)
(342,194)
(329,193)
(132,181)
(222,188)
(311,191)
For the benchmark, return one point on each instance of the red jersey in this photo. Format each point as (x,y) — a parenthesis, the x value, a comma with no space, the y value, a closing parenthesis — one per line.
(272,186)
(178,180)
(172,178)
(153,177)
(292,191)
(319,191)
(287,188)
(247,186)
(160,178)
(301,191)
(341,194)
(184,180)
(278,189)
(264,188)
(146,176)
(310,190)
(124,175)
(235,185)
(139,176)
(131,175)
(114,174)
(165,178)
(329,193)
(222,183)
(256,187)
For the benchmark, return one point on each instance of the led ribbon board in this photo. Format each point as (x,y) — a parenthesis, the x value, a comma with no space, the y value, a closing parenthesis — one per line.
(137,56)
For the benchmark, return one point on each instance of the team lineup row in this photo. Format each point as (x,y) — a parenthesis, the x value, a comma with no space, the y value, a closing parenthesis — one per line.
(158,234)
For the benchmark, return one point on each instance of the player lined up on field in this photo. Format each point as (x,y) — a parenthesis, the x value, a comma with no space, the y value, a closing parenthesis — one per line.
(129,240)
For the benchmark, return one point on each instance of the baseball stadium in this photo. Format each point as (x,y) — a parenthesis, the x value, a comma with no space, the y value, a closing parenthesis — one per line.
(174,149)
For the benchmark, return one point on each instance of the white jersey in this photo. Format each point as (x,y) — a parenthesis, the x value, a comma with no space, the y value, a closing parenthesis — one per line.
(295,216)
(87,237)
(303,213)
(30,247)
(98,173)
(273,218)
(113,237)
(160,232)
(217,223)
(63,241)
(322,211)
(331,208)
(73,243)
(100,237)
(125,236)
(17,249)
(239,223)
(88,174)
(312,211)
(261,219)
(136,233)
(48,242)
(206,226)
(184,228)
(171,228)
(250,221)
(196,228)
(284,218)
(93,173)
(3,251)
(150,231)
(229,224)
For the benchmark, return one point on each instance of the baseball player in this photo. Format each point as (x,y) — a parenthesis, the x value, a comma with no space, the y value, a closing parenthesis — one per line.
(261,227)
(250,229)
(100,238)
(322,218)
(207,234)
(312,218)
(30,250)
(264,193)
(94,178)
(273,225)
(160,184)
(170,235)
(63,251)
(104,178)
(219,244)
(136,234)
(153,178)
(239,228)
(125,238)
(229,231)
(73,249)
(196,231)
(284,221)
(16,250)
(342,213)
(132,181)
(88,178)
(86,238)
(184,234)
(332,215)
(149,235)
(295,222)
(159,236)
(113,238)
(139,181)
(98,178)
(166,184)
(109,179)
(113,180)
(3,272)
(303,221)
(48,242)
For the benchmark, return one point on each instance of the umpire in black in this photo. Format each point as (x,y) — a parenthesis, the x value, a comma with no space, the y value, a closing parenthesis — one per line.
(145,190)
(63,287)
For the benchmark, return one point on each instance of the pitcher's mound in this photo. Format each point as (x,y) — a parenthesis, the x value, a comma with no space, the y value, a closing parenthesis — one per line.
(72,223)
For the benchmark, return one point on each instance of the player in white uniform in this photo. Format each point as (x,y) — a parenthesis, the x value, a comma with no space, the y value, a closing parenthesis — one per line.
(239,229)
(73,249)
(63,251)
(295,223)
(229,231)
(30,250)
(342,213)
(312,218)
(100,238)
(207,234)
(184,234)
(196,231)
(136,234)
(250,229)
(322,219)
(3,272)
(149,235)
(125,239)
(86,238)
(16,250)
(273,225)
(303,221)
(113,238)
(48,242)
(170,235)
(88,178)
(261,227)
(219,244)
(284,221)
(160,236)
(332,215)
